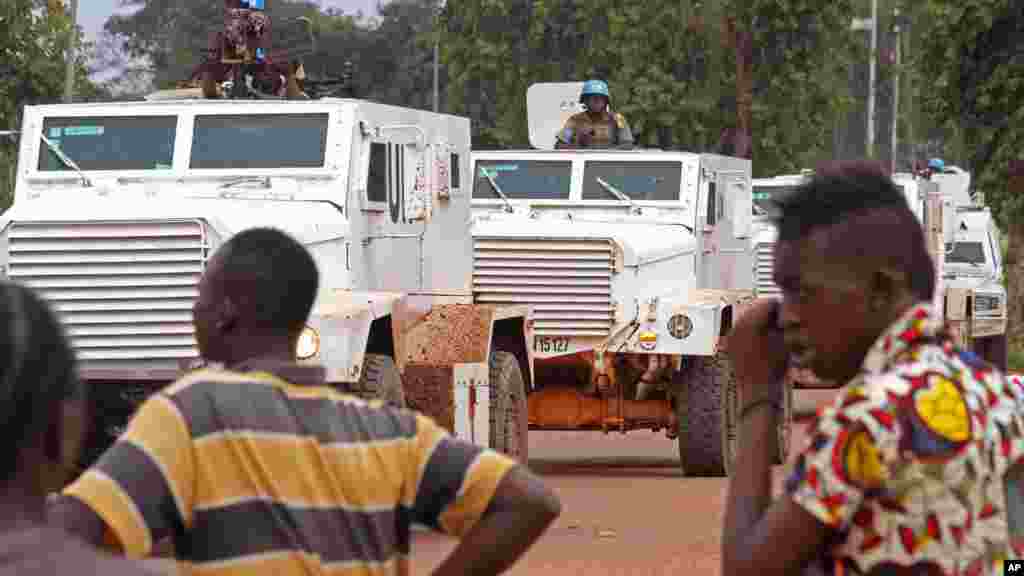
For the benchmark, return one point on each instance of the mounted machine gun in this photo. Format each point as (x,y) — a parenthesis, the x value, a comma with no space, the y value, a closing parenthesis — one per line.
(241,62)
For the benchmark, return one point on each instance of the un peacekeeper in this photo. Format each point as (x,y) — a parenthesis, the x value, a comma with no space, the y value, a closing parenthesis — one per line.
(598,126)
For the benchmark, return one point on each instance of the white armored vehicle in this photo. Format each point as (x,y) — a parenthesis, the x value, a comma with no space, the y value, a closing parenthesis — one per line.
(635,264)
(118,206)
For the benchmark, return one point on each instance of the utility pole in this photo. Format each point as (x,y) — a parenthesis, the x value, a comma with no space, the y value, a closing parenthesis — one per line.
(436,58)
(437,54)
(69,62)
(896,88)
(871,82)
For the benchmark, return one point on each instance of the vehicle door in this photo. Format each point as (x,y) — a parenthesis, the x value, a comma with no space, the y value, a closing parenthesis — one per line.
(723,230)
(395,213)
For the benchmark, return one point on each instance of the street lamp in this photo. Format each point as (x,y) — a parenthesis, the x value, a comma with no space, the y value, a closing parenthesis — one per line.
(896,87)
(873,74)
(437,52)
(870,24)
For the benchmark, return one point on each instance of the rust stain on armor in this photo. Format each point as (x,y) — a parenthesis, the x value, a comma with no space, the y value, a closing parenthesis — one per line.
(430,390)
(445,334)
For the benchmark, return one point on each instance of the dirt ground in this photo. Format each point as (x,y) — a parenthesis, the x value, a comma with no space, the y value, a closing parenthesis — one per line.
(626,509)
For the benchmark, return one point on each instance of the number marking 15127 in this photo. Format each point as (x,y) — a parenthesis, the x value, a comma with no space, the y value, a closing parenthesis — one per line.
(550,344)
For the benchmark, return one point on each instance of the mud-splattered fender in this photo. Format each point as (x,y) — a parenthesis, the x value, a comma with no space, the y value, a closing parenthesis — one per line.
(426,329)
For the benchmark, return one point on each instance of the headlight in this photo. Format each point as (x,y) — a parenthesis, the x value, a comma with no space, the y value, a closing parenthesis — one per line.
(680,326)
(308,344)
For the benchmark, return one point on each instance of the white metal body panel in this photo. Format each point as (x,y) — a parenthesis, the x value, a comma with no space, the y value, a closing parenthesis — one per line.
(545,119)
(472,403)
(588,266)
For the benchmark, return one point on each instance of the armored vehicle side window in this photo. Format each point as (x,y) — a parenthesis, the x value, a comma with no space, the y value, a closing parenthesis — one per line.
(712,197)
(523,179)
(965,253)
(454,172)
(110,143)
(259,141)
(377,179)
(644,181)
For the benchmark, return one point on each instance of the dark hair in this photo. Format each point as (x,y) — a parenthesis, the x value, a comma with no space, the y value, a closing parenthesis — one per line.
(279,276)
(840,191)
(37,372)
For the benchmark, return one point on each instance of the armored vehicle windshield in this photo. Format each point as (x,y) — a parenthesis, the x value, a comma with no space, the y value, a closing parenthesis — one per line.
(257,141)
(645,181)
(523,179)
(109,143)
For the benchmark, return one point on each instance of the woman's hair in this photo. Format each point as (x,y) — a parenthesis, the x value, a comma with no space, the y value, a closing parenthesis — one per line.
(37,372)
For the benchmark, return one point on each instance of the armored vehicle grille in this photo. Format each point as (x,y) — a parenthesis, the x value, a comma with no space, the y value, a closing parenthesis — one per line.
(124,290)
(764,267)
(568,283)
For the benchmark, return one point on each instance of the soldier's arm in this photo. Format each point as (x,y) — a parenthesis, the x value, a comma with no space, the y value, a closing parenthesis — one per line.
(625,134)
(567,135)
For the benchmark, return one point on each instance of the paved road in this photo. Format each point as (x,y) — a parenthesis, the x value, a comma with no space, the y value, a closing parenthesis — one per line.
(626,508)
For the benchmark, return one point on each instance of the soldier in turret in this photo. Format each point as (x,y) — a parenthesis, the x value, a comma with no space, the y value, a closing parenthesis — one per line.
(598,126)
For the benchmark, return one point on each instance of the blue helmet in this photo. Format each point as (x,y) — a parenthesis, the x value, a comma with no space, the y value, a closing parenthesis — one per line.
(595,88)
(937,164)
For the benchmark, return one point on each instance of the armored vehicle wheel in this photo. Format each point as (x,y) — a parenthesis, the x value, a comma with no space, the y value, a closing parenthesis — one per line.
(992,349)
(707,413)
(380,380)
(509,418)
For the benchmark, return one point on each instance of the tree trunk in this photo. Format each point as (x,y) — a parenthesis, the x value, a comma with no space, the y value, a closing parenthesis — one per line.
(1015,268)
(1015,285)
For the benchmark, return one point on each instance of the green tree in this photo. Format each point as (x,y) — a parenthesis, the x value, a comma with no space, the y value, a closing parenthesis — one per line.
(33,40)
(671,70)
(803,49)
(970,58)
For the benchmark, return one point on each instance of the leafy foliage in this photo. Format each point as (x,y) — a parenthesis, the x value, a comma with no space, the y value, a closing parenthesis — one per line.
(972,56)
(670,69)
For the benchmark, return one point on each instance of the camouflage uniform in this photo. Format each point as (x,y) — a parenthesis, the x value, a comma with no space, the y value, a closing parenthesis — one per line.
(605,130)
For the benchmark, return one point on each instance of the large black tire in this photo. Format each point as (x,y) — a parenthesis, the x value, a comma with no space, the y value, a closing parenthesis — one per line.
(708,413)
(706,408)
(380,380)
(992,349)
(509,422)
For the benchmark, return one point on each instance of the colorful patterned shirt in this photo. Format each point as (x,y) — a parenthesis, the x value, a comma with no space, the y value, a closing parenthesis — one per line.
(272,472)
(909,463)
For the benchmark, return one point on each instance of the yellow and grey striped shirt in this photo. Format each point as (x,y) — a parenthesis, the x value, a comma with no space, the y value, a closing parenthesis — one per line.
(272,472)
